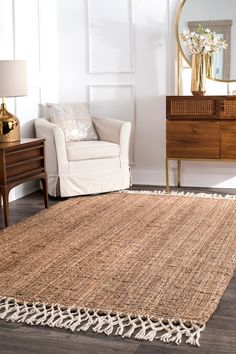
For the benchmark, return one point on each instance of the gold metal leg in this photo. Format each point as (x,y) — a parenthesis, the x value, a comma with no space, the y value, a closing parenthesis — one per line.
(167,176)
(178,172)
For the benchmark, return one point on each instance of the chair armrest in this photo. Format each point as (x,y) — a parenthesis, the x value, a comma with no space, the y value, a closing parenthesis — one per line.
(55,147)
(114,131)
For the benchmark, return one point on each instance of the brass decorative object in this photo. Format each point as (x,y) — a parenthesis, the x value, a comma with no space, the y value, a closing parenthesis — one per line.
(13,83)
(198,80)
(9,126)
(210,69)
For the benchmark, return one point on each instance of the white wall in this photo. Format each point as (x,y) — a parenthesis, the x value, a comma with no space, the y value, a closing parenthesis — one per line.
(28,30)
(81,32)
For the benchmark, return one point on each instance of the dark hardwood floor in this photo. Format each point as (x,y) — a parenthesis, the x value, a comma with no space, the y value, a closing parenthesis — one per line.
(218,338)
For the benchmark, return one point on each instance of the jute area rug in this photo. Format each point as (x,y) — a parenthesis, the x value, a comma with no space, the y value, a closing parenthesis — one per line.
(142,265)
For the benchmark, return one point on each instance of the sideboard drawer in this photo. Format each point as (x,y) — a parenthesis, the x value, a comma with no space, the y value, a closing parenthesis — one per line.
(191,108)
(228,107)
(228,140)
(190,139)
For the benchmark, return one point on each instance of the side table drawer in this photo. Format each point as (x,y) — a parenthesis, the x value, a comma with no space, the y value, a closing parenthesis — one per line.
(27,153)
(26,160)
(25,168)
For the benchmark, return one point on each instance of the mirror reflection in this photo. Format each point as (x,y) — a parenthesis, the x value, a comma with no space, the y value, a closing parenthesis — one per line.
(218,16)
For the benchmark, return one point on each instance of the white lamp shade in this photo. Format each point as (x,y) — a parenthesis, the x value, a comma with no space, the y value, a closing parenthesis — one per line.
(13,78)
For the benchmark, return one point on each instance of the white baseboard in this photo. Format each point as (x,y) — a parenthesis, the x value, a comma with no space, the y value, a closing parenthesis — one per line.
(23,190)
(148,177)
(211,178)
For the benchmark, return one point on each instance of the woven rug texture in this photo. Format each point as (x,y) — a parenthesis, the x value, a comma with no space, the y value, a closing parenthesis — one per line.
(151,266)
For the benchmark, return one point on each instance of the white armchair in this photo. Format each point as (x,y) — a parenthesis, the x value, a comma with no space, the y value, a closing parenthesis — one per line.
(86,167)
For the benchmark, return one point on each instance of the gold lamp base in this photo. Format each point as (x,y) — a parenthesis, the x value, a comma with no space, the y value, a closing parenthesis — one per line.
(9,126)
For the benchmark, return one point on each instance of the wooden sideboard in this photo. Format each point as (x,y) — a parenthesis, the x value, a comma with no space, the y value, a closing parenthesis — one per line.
(200,128)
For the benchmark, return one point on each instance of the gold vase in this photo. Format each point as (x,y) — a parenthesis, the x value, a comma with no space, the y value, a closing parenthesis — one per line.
(209,66)
(198,82)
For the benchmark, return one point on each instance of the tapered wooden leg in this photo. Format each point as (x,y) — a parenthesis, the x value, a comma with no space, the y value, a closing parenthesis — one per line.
(45,190)
(178,172)
(167,176)
(4,193)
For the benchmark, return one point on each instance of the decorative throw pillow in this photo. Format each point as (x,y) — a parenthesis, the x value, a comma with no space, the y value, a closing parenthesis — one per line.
(74,119)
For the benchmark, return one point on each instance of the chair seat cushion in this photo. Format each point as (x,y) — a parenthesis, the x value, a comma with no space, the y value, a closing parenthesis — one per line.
(85,150)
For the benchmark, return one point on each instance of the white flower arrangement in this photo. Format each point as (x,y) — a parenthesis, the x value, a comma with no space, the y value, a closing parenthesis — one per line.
(203,41)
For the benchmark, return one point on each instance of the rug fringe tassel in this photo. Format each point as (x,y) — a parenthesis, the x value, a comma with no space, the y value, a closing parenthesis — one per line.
(77,319)
(176,193)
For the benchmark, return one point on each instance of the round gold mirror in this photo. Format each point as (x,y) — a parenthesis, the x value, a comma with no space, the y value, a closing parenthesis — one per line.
(218,16)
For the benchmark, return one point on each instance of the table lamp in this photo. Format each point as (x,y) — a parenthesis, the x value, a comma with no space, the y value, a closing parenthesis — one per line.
(13,83)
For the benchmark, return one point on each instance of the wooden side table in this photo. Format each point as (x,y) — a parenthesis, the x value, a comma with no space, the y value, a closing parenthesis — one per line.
(20,162)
